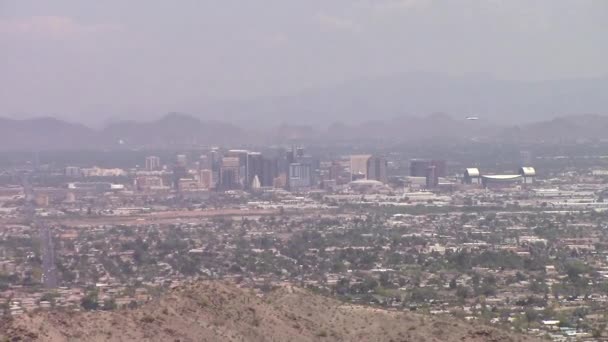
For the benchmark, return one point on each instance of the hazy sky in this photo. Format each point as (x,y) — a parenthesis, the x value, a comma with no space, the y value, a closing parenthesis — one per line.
(108,58)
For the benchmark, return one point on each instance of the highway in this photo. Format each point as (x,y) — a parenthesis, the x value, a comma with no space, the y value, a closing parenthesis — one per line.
(49,271)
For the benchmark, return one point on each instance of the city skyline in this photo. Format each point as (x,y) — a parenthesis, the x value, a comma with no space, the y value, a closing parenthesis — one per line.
(346,170)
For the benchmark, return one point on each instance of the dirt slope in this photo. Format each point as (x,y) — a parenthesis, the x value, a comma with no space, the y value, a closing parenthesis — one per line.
(214,311)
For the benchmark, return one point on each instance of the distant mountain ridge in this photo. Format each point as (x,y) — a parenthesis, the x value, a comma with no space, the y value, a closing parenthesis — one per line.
(402,95)
(504,102)
(170,130)
(181,130)
(46,132)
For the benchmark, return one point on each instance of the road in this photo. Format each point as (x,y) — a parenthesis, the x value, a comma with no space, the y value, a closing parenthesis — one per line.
(49,271)
(165,217)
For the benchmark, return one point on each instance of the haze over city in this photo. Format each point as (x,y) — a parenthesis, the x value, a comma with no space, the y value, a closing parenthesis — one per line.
(116,60)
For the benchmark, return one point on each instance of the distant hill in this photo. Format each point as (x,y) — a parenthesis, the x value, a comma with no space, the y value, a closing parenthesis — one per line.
(214,311)
(44,133)
(173,129)
(435,127)
(420,94)
(562,129)
(170,130)
(181,130)
(442,128)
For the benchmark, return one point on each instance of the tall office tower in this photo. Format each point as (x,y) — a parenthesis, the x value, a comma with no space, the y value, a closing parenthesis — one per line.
(204,162)
(419,167)
(299,152)
(376,169)
(215,158)
(284,158)
(270,170)
(441,167)
(242,157)
(179,172)
(314,165)
(206,179)
(432,178)
(300,176)
(335,170)
(368,167)
(72,171)
(290,157)
(358,166)
(255,167)
(152,163)
(230,173)
(36,160)
(182,160)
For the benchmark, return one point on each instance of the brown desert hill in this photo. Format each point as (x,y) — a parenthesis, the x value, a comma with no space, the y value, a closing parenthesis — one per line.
(216,311)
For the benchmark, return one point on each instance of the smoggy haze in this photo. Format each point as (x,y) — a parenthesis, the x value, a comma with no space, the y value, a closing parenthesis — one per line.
(91,61)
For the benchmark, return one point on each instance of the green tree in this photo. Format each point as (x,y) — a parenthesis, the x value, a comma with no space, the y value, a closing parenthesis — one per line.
(90,301)
(109,304)
(463,292)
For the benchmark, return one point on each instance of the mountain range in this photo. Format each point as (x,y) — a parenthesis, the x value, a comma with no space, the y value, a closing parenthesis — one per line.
(170,130)
(216,311)
(385,98)
(506,102)
(181,130)
(401,107)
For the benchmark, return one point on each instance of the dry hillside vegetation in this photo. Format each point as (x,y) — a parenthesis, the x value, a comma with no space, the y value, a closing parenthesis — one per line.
(215,311)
